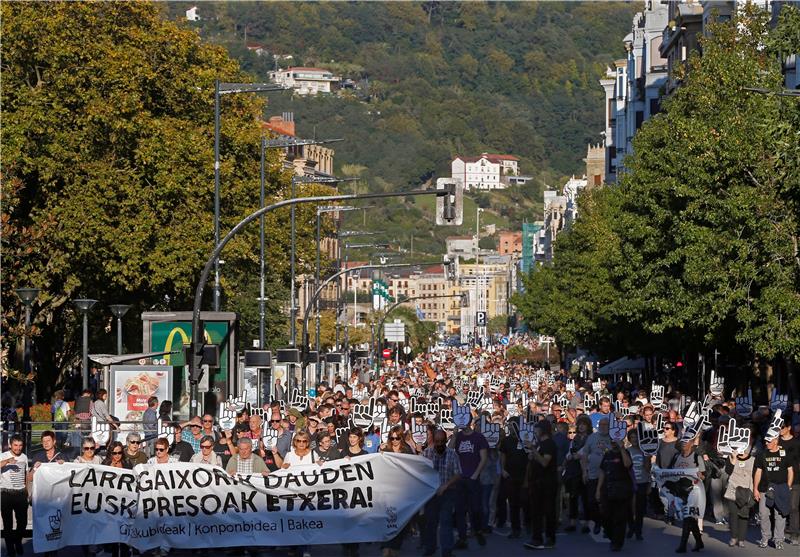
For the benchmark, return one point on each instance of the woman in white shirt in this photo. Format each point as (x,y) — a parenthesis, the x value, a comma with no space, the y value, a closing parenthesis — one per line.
(301,452)
(207,454)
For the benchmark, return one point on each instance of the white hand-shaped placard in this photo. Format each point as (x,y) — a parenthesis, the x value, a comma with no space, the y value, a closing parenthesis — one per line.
(462,415)
(527,433)
(474,398)
(617,429)
(744,404)
(363,414)
(491,432)
(733,439)
(165,429)
(717,384)
(378,412)
(596,386)
(589,400)
(657,396)
(775,425)
(419,433)
(298,401)
(446,419)
(648,439)
(778,401)
(269,438)
(571,386)
(101,431)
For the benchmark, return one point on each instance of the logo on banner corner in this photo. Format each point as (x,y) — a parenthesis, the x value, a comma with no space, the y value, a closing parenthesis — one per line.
(55,526)
(391,518)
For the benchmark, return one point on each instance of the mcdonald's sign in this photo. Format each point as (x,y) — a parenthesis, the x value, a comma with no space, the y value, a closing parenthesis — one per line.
(169,331)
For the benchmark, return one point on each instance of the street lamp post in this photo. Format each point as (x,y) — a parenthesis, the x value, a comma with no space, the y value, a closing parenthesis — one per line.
(84,305)
(320,212)
(119,310)
(262,300)
(27,296)
(223,88)
(197,334)
(293,304)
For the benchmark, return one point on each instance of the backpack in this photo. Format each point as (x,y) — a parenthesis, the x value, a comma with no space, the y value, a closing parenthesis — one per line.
(60,414)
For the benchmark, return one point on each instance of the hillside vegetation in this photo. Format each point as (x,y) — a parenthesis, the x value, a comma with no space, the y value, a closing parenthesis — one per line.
(435,80)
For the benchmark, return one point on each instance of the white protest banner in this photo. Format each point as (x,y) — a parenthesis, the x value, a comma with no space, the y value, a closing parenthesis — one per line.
(181,505)
(681,490)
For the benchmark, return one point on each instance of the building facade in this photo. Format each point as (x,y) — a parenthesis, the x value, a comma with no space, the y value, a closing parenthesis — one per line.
(486,172)
(305,81)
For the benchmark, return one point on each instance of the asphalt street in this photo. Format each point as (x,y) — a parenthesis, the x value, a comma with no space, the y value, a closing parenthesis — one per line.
(659,540)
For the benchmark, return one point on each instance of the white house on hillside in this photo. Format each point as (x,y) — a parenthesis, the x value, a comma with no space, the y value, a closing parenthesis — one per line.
(487,172)
(192,15)
(306,81)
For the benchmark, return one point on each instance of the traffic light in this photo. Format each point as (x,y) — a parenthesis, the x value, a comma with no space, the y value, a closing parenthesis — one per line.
(193,353)
(449,202)
(450,268)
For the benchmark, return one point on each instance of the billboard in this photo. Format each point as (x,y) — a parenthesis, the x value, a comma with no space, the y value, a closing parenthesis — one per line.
(131,386)
(169,331)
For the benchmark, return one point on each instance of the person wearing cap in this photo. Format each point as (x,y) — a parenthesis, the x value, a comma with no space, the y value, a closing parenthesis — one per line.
(192,433)
(791,445)
(133,453)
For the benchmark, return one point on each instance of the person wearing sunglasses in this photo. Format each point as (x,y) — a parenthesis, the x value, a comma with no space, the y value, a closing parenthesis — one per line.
(301,452)
(88,453)
(162,453)
(115,456)
(133,452)
(207,454)
(396,442)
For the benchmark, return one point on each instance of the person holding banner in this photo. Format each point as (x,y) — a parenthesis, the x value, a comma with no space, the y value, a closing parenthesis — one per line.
(688,458)
(207,454)
(14,500)
(244,462)
(301,452)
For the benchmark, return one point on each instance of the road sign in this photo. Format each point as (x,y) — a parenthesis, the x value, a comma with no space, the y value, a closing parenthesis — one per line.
(480,318)
(395,332)
(387,353)
(504,341)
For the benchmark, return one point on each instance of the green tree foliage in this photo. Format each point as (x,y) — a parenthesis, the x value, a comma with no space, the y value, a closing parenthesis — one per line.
(698,244)
(108,137)
(440,79)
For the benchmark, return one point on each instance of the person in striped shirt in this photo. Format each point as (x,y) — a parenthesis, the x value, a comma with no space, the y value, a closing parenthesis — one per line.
(14,500)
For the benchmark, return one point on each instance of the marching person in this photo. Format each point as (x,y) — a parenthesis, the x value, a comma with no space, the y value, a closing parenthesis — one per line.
(162,455)
(791,446)
(773,483)
(301,452)
(244,462)
(739,495)
(615,492)
(439,509)
(596,446)
(133,454)
(14,500)
(207,454)
(688,458)
(88,453)
(473,454)
(180,448)
(542,488)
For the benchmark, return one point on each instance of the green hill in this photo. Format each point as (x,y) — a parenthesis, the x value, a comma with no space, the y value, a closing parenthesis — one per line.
(437,79)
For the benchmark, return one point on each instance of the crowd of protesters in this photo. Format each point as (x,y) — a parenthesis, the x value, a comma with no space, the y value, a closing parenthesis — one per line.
(535,452)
